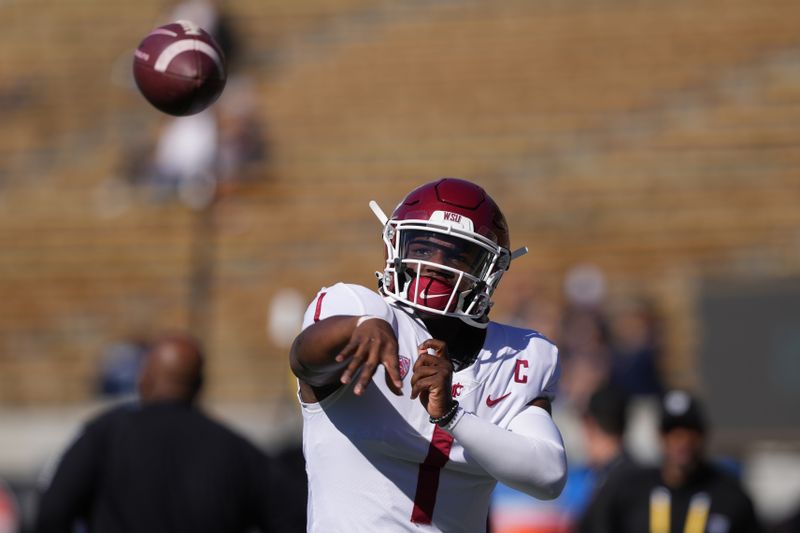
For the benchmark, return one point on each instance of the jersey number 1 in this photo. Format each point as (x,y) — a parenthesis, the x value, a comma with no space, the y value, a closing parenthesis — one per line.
(428,479)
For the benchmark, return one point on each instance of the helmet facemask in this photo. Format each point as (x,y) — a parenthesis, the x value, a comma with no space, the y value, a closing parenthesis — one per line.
(442,267)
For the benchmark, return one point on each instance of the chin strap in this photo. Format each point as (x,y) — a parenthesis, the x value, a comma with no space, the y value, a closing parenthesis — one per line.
(402,277)
(481,323)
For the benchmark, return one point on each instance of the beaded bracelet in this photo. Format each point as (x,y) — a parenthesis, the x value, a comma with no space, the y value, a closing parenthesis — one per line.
(445,418)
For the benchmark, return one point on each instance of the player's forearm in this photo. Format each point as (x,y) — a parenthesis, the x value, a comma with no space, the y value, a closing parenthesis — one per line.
(313,353)
(529,457)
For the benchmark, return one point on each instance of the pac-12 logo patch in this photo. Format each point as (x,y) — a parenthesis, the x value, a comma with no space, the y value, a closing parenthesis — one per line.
(405,365)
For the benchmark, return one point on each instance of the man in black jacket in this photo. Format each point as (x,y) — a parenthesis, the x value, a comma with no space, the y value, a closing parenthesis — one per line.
(162,465)
(686,493)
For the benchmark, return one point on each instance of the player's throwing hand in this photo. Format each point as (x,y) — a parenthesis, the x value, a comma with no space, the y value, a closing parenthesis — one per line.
(373,342)
(433,377)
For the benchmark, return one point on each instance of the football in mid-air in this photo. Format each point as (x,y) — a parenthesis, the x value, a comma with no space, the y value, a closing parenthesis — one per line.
(179,68)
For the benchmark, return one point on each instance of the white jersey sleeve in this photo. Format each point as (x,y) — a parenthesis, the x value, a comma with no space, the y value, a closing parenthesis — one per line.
(533,459)
(348,300)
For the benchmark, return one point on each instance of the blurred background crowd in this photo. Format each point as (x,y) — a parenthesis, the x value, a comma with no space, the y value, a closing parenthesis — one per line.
(646,152)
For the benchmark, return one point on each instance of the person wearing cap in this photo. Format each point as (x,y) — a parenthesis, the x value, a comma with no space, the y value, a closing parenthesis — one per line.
(685,493)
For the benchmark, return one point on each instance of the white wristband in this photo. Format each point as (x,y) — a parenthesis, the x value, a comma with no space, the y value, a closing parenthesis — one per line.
(364,318)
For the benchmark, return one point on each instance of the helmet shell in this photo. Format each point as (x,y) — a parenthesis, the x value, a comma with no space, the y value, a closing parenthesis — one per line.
(460,197)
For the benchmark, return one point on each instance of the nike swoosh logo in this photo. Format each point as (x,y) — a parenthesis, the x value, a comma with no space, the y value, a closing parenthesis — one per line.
(424,295)
(490,402)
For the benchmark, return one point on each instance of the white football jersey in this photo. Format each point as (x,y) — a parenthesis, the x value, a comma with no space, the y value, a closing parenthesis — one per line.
(376,463)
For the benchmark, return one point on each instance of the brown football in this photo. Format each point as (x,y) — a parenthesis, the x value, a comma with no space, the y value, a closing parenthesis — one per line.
(179,68)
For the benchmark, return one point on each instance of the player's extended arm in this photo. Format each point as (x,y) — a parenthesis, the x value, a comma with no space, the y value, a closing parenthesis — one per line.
(529,456)
(335,348)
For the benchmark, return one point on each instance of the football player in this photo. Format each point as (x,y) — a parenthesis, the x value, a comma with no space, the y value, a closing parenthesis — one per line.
(415,404)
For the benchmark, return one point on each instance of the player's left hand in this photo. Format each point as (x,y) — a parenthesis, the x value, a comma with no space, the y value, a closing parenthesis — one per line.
(432,377)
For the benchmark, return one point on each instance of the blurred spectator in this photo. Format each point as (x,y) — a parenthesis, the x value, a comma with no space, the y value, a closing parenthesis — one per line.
(162,465)
(120,366)
(241,132)
(529,303)
(604,423)
(635,349)
(9,510)
(585,354)
(198,157)
(185,158)
(685,493)
(583,338)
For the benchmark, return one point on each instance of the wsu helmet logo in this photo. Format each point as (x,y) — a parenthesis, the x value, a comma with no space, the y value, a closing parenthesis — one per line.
(455,220)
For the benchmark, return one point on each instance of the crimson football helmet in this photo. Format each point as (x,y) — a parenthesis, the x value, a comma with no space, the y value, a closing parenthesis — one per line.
(447,247)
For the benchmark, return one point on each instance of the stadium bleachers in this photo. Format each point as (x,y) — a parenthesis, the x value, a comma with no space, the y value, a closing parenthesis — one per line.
(655,140)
